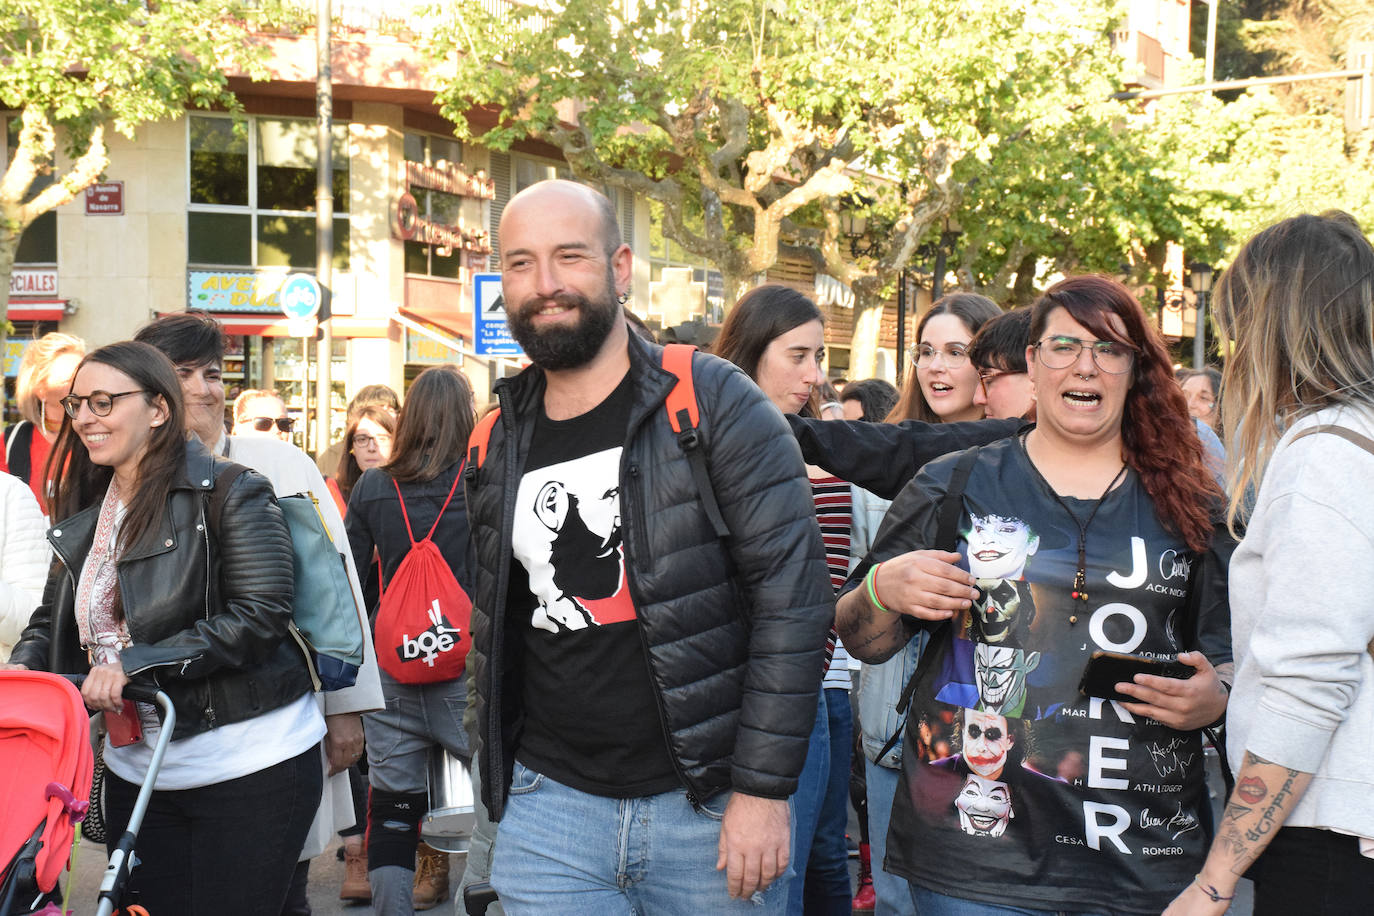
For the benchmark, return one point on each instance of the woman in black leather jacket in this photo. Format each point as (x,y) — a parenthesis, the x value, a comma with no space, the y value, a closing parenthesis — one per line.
(148,585)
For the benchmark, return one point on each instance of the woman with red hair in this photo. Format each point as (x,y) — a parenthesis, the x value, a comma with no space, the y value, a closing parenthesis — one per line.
(1095,531)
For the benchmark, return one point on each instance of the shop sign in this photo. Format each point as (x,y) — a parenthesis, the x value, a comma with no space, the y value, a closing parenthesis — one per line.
(426,350)
(489,318)
(14,352)
(105,199)
(451,179)
(410,225)
(233,291)
(33,281)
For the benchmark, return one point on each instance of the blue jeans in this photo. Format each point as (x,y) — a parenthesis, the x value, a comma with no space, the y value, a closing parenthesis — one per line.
(568,852)
(806,803)
(827,872)
(893,893)
(929,903)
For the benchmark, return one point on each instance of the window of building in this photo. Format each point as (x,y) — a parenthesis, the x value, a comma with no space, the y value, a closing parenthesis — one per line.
(435,206)
(252,187)
(38,244)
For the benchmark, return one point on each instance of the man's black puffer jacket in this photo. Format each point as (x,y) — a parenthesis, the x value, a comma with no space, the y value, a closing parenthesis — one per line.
(734,629)
(207,610)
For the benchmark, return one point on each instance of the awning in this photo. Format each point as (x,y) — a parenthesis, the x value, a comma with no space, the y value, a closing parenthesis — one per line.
(427,328)
(454,332)
(37,309)
(275,325)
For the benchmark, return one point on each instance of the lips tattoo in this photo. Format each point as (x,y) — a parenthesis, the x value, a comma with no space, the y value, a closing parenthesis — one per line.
(1251,789)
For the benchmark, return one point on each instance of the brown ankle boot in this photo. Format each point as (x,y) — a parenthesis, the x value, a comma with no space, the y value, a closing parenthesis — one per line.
(355,886)
(431,877)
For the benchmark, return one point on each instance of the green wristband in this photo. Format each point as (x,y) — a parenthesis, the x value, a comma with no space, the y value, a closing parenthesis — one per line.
(870,583)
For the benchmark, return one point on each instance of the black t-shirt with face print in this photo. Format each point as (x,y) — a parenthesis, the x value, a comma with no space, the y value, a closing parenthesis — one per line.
(1033,794)
(591,720)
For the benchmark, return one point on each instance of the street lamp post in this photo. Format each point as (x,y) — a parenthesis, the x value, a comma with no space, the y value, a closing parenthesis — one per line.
(1200,280)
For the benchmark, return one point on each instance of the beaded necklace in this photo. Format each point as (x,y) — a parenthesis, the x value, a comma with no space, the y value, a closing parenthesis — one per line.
(1079,592)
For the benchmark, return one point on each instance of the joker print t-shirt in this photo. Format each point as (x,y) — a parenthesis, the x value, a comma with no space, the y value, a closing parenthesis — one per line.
(1034,794)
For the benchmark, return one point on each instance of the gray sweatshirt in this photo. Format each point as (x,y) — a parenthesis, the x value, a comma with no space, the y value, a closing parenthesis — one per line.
(1302,614)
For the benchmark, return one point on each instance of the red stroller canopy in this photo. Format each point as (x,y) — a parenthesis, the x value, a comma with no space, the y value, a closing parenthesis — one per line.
(44,739)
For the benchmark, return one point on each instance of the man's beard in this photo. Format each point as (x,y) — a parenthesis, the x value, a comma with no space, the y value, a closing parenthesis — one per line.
(560,348)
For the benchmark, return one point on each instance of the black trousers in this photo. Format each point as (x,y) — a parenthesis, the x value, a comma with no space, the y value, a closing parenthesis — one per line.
(1312,872)
(229,848)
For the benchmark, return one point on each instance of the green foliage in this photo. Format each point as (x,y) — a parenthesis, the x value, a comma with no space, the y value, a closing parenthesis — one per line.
(77,68)
(84,62)
(752,119)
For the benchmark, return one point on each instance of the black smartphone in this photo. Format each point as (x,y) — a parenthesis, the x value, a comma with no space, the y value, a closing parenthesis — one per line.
(1107,669)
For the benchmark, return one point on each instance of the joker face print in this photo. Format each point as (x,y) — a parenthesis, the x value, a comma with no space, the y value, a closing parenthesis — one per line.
(1003,611)
(1000,672)
(998,547)
(986,742)
(984,806)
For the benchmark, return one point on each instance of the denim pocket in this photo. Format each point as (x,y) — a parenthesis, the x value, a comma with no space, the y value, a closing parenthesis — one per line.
(714,807)
(524,780)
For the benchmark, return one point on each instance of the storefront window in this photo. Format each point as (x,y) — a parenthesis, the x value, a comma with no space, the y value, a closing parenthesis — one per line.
(253,192)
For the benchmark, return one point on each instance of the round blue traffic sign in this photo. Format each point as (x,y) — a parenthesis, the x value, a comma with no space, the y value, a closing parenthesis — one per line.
(300,296)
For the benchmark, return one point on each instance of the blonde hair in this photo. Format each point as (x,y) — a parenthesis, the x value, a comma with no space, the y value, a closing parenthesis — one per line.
(36,366)
(1298,304)
(253,394)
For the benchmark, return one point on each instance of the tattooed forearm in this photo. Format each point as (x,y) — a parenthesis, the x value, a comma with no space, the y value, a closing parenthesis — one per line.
(1264,797)
(869,634)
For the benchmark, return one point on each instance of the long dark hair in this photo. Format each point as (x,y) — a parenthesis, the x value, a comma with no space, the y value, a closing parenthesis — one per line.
(761,315)
(436,421)
(1158,436)
(973,311)
(348,471)
(81,483)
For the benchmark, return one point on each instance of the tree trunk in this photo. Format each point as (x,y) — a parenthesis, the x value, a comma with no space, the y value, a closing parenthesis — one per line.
(9,246)
(736,285)
(868,320)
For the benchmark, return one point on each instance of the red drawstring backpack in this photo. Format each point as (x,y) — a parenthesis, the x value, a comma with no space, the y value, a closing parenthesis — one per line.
(424,618)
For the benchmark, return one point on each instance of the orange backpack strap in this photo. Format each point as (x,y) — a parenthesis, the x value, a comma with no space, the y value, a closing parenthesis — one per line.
(677,359)
(477,442)
(683,417)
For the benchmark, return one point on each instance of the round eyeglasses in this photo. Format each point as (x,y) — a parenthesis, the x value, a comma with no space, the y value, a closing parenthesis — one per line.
(100,402)
(954,355)
(1061,352)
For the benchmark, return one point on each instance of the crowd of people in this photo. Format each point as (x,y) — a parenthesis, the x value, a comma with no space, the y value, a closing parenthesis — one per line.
(717,601)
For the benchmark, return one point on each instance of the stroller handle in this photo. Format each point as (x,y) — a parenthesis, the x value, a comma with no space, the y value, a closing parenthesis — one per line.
(132,691)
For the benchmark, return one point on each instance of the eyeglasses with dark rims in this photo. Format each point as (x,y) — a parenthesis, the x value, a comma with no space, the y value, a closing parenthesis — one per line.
(363,440)
(100,402)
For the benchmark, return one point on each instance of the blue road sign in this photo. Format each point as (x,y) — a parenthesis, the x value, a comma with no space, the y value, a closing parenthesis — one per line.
(300,296)
(489,318)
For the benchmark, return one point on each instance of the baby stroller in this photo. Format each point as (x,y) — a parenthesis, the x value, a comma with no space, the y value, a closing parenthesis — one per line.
(45,781)
(46,765)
